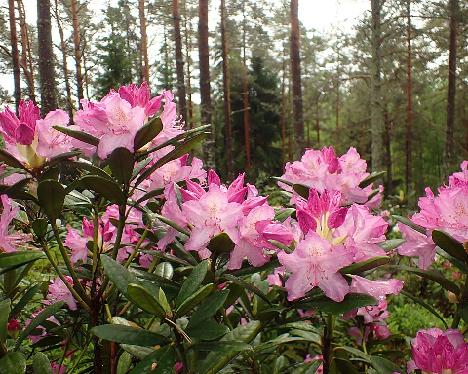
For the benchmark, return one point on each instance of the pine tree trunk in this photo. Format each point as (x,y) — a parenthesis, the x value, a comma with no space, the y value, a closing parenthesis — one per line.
(179,61)
(188,72)
(388,153)
(283,113)
(14,53)
(296,79)
(46,57)
(409,104)
(245,94)
(377,123)
(77,50)
(63,47)
(144,72)
(452,67)
(205,89)
(25,52)
(226,92)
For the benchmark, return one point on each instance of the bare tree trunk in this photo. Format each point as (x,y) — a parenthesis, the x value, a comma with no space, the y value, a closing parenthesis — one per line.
(388,153)
(14,53)
(283,112)
(63,47)
(25,52)
(188,49)
(452,67)
(144,72)
(46,57)
(77,50)
(296,79)
(179,61)
(85,68)
(377,123)
(205,86)
(226,92)
(409,105)
(245,94)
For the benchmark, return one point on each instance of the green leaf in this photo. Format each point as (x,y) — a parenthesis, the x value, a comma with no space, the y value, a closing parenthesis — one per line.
(208,330)
(301,190)
(41,364)
(450,245)
(282,214)
(209,307)
(371,178)
(193,281)
(125,363)
(4,316)
(164,270)
(39,227)
(51,195)
(221,243)
(13,363)
(14,260)
(161,361)
(194,299)
(145,301)
(417,300)
(388,245)
(343,366)
(118,274)
(220,346)
(355,352)
(79,135)
(92,169)
(121,162)
(25,299)
(49,311)
(278,179)
(383,365)
(275,342)
(10,160)
(179,151)
(174,225)
(148,132)
(128,335)
(326,305)
(244,284)
(433,275)
(360,267)
(409,223)
(103,187)
(215,361)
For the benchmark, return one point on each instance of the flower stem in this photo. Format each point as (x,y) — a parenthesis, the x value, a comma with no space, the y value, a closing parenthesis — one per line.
(327,343)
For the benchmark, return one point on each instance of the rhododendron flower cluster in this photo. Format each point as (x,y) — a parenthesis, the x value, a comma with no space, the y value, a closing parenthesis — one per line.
(10,240)
(322,170)
(332,238)
(447,211)
(439,352)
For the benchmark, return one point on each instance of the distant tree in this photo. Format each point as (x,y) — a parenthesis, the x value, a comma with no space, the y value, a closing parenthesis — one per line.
(26,53)
(182,102)
(144,72)
(14,53)
(77,48)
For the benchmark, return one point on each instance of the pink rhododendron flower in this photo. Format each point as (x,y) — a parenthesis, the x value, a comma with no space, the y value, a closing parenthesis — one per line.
(377,289)
(417,245)
(40,331)
(10,241)
(315,262)
(58,291)
(20,130)
(57,368)
(323,170)
(439,352)
(141,97)
(52,142)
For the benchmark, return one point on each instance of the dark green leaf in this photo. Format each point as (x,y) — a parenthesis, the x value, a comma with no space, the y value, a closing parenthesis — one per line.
(121,162)
(284,213)
(13,363)
(164,270)
(79,135)
(215,361)
(383,365)
(148,132)
(209,307)
(49,311)
(343,366)
(16,259)
(172,224)
(92,169)
(449,245)
(103,187)
(278,179)
(41,364)
(129,335)
(161,361)
(145,301)
(221,243)
(371,178)
(208,330)
(10,160)
(39,227)
(246,285)
(51,195)
(4,317)
(118,274)
(25,299)
(193,281)
(360,267)
(350,302)
(194,299)
(391,244)
(409,223)
(301,190)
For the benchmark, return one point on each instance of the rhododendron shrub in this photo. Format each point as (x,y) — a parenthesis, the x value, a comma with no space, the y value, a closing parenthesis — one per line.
(145,261)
